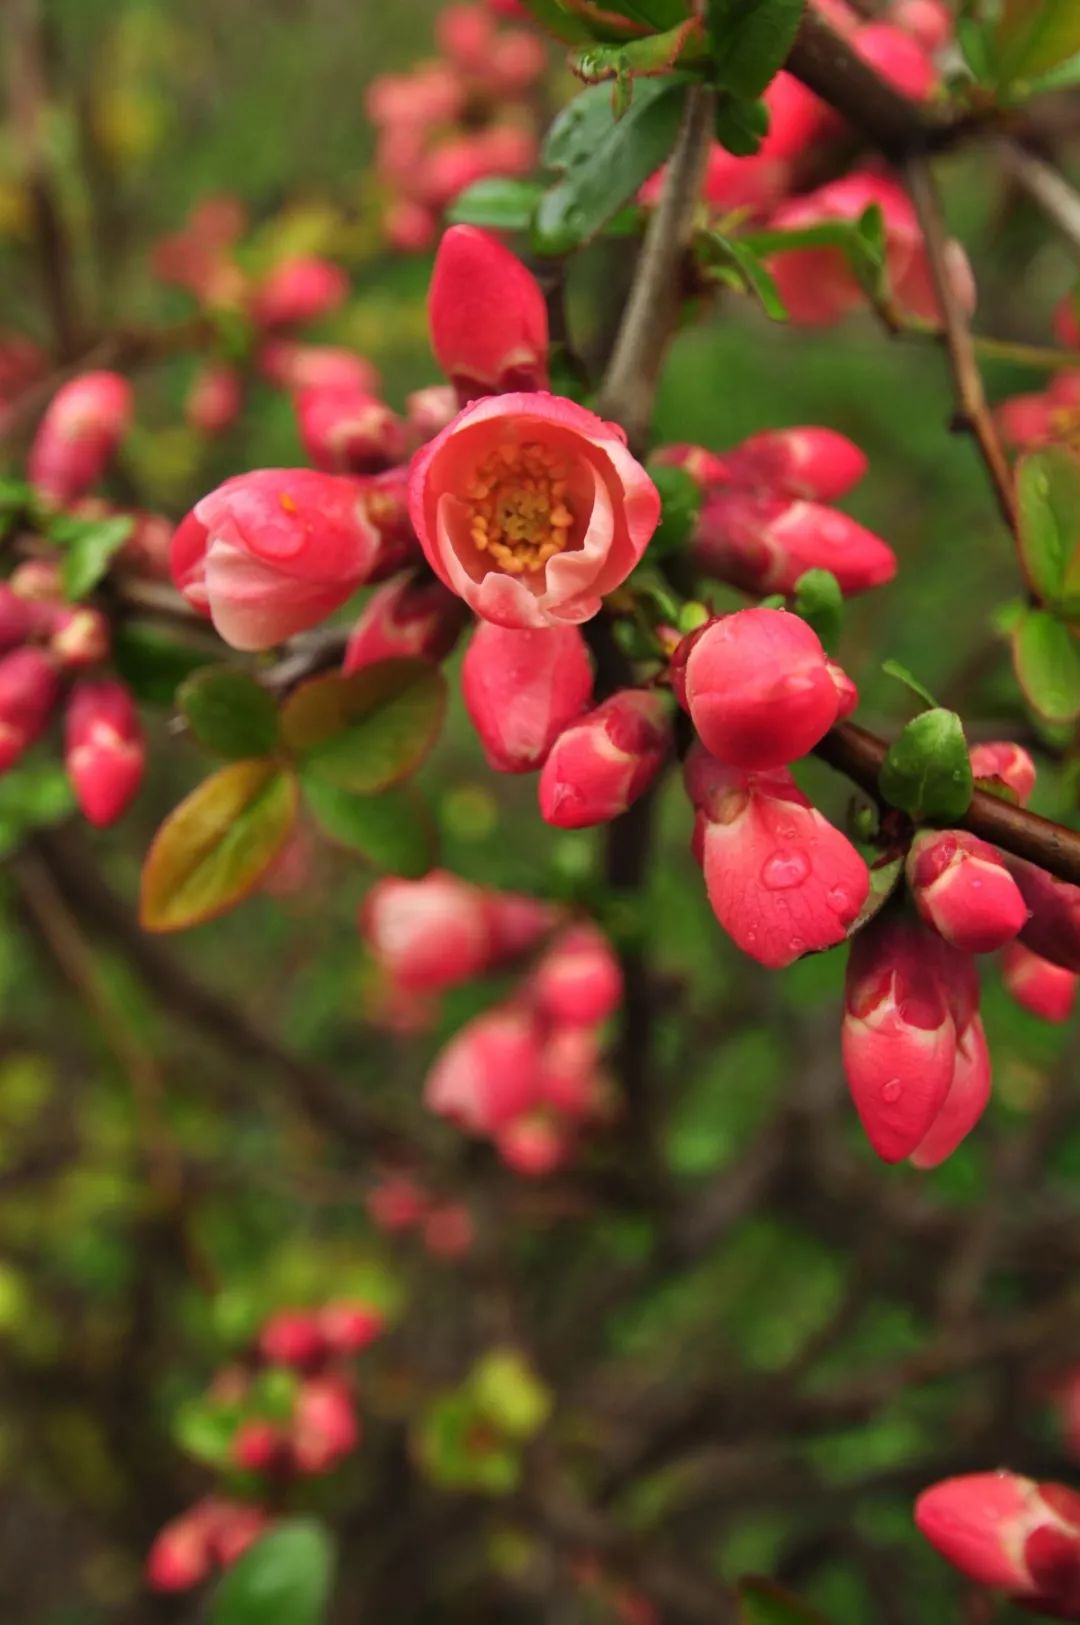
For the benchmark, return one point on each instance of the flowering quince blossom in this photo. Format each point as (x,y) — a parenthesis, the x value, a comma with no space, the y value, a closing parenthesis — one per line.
(602,764)
(410,616)
(487,1074)
(212,1534)
(297,291)
(440,931)
(1010,1533)
(578,982)
(105,751)
(1007,765)
(1047,990)
(781,880)
(29,688)
(348,431)
(963,890)
(488,317)
(82,427)
(522,689)
(531,508)
(271,553)
(1042,418)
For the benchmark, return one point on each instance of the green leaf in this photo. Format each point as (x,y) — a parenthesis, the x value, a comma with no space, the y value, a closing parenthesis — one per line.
(741,125)
(90,545)
(885,877)
(393,831)
(1035,36)
(763,1602)
(741,265)
(229,712)
(976,48)
(893,668)
(16,498)
(603,161)
(751,40)
(205,1431)
(680,496)
(497,203)
(1063,77)
(284,1579)
(151,663)
(819,601)
(508,1392)
(366,732)
(554,16)
(1047,666)
(614,19)
(213,850)
(861,241)
(681,46)
(927,772)
(1048,492)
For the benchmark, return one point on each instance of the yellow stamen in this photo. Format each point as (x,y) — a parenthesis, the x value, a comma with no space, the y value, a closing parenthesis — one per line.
(519,509)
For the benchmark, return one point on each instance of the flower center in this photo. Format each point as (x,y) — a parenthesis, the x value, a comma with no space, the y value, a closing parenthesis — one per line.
(1065,422)
(519,512)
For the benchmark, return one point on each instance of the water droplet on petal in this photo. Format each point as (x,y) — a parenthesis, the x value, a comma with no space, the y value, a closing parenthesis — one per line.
(891,1091)
(840,900)
(787,868)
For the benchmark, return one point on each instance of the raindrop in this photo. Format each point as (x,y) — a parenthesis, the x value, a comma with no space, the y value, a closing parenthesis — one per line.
(891,1091)
(785,869)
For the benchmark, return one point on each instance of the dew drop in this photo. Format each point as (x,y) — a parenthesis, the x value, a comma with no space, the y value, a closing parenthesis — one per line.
(891,1091)
(840,900)
(785,869)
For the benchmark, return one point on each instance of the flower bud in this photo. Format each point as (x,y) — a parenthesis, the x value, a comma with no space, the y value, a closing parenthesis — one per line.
(963,890)
(413,616)
(517,923)
(578,982)
(1008,1532)
(763,542)
(488,1073)
(259,1447)
(899,57)
(1047,990)
(215,399)
(757,686)
(345,431)
(297,291)
(1008,763)
(430,933)
(489,325)
(234,1527)
(705,468)
(534,1144)
(601,765)
(346,1328)
(929,21)
(79,636)
(29,689)
(181,1555)
(817,464)
(522,689)
(967,1099)
(104,749)
(292,1338)
(295,366)
(429,411)
(76,438)
(325,1426)
(17,620)
(1054,927)
(570,1081)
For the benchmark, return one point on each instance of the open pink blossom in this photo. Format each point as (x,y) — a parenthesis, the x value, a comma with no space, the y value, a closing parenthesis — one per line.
(1043,417)
(531,508)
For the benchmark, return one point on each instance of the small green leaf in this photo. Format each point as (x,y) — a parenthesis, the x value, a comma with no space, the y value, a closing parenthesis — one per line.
(680,496)
(976,48)
(603,161)
(1048,492)
(497,203)
(90,545)
(885,877)
(1047,666)
(213,850)
(819,601)
(550,14)
(751,40)
(205,1431)
(893,668)
(508,1392)
(366,732)
(927,772)
(284,1579)
(229,712)
(740,264)
(678,47)
(860,241)
(393,831)
(741,124)
(1035,36)
(763,1602)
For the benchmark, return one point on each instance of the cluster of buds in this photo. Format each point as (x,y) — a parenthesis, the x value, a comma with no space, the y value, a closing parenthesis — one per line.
(299,1371)
(454,120)
(399,1205)
(1011,1534)
(1052,415)
(526,1075)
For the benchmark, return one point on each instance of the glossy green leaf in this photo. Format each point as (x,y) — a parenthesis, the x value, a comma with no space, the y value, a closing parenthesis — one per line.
(89,547)
(214,849)
(1047,665)
(603,161)
(741,124)
(1048,493)
(927,772)
(763,1602)
(366,732)
(751,40)
(557,18)
(860,241)
(284,1579)
(680,497)
(498,203)
(1035,36)
(640,58)
(893,668)
(819,601)
(741,265)
(393,831)
(229,712)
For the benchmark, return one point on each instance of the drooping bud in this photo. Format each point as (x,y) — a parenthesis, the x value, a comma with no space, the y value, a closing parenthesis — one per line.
(346,1328)
(297,291)
(325,1426)
(260,1447)
(522,689)
(578,982)
(29,688)
(79,636)
(1008,1532)
(1008,763)
(345,431)
(763,542)
(963,890)
(76,438)
(969,1093)
(488,1073)
(1047,990)
(781,879)
(816,464)
(430,933)
(602,764)
(1054,927)
(104,749)
(292,1338)
(489,325)
(757,686)
(411,616)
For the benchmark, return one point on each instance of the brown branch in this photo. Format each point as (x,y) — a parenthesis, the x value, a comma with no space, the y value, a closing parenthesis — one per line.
(1046,186)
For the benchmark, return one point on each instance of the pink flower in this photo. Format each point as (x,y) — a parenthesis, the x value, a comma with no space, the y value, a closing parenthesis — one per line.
(517,923)
(297,291)
(17,618)
(316,366)
(1053,930)
(963,890)
(781,880)
(763,541)
(274,552)
(215,399)
(29,688)
(489,324)
(428,411)
(1008,764)
(928,21)
(599,767)
(1040,419)
(1008,1532)
(1047,990)
(531,508)
(578,982)
(347,1328)
(292,1338)
(429,933)
(412,616)
(899,57)
(758,687)
(570,1080)
(212,1532)
(488,1074)
(325,1426)
(78,636)
(105,751)
(813,463)
(347,431)
(522,689)
(82,427)
(967,1099)
(534,1144)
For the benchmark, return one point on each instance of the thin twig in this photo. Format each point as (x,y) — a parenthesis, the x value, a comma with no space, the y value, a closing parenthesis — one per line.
(1046,186)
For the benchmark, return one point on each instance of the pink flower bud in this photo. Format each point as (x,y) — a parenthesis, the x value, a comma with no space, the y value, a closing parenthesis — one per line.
(578,982)
(292,1338)
(215,399)
(410,227)
(316,366)
(489,325)
(569,1071)
(449,1231)
(79,636)
(1008,1532)
(517,923)
(384,503)
(429,411)
(488,1073)
(347,432)
(963,890)
(104,749)
(259,1447)
(1054,927)
(29,689)
(763,542)
(325,1425)
(397,1203)
(898,57)
(757,686)
(76,438)
(429,933)
(967,1099)
(818,464)
(1008,763)
(412,616)
(705,468)
(522,688)
(928,21)
(898,1036)
(298,291)
(146,551)
(346,1328)
(534,1144)
(1047,990)
(847,695)
(602,764)
(274,552)
(781,880)
(233,1528)
(38,581)
(181,1555)
(17,620)
(532,509)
